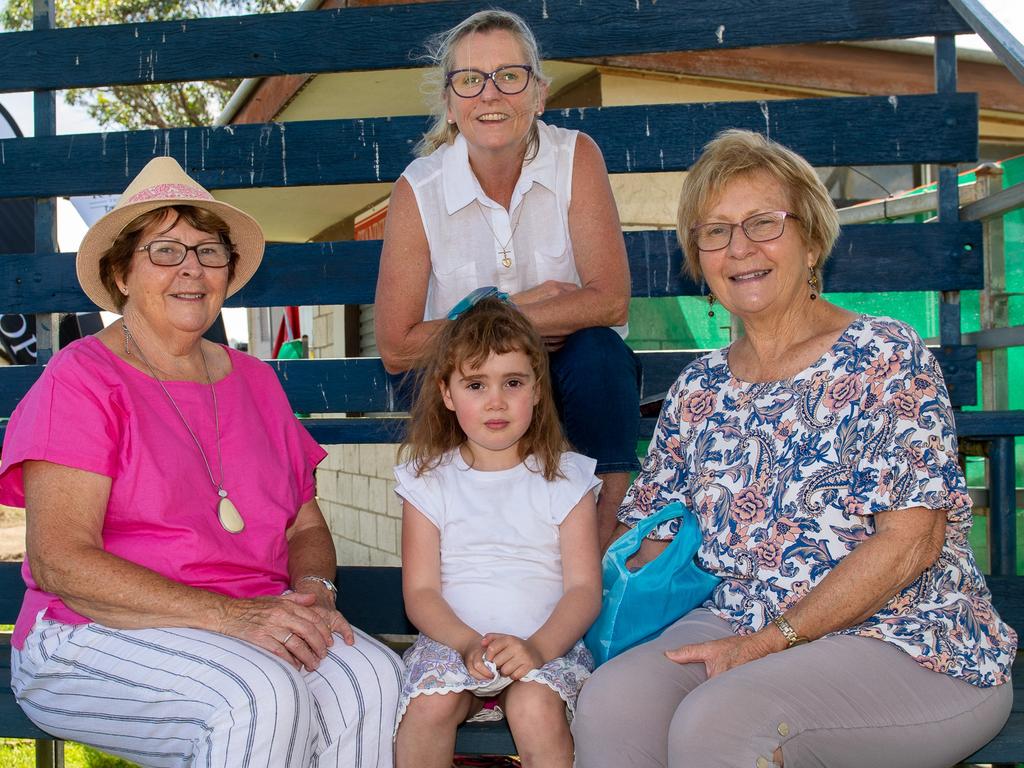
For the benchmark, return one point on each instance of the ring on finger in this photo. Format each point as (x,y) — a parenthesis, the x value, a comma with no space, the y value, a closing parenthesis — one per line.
(287,638)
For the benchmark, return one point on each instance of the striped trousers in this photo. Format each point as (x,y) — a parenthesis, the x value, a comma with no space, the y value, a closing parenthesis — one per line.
(187,697)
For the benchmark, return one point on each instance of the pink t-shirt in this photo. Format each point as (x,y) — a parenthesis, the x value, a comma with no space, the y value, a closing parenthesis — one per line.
(92,411)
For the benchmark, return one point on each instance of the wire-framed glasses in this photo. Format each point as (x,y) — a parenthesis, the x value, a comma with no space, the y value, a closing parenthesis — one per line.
(510,80)
(170,253)
(760,228)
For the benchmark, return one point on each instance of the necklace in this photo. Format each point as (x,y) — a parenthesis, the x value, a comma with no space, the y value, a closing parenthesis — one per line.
(230,520)
(504,250)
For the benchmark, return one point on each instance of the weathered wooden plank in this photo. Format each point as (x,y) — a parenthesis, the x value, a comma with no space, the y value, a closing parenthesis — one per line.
(15,381)
(361,384)
(347,385)
(929,260)
(351,39)
(1008,745)
(931,257)
(667,137)
(343,431)
(983,424)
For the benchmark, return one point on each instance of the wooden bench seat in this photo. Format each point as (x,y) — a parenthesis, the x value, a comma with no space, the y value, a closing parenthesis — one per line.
(371,598)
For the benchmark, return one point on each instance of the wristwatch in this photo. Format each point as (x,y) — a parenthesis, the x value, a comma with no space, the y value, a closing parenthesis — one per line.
(792,638)
(326,582)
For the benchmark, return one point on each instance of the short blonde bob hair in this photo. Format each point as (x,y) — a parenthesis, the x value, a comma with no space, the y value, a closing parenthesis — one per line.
(735,153)
(441,54)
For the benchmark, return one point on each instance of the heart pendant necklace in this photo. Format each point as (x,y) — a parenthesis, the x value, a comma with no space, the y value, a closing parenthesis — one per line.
(503,249)
(227,514)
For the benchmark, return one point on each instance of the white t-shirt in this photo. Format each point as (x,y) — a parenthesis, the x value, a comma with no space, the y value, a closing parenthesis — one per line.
(501,562)
(467,230)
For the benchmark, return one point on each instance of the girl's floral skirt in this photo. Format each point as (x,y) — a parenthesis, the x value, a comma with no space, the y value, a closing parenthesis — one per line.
(431,667)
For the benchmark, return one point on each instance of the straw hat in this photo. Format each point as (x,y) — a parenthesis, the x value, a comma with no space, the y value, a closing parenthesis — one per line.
(163,183)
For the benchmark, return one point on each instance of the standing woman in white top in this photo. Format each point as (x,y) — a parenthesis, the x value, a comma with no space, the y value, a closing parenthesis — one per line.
(500,198)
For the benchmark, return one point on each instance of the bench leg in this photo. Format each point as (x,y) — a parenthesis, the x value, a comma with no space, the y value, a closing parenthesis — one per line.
(49,753)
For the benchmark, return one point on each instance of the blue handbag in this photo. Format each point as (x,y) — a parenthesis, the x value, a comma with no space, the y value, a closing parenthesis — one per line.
(637,605)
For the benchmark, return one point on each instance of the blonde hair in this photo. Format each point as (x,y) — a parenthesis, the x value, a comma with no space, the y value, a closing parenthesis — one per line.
(491,327)
(735,153)
(441,55)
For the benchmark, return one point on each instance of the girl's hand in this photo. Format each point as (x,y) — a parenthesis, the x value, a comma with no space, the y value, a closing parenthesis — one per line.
(289,626)
(513,656)
(473,657)
(719,656)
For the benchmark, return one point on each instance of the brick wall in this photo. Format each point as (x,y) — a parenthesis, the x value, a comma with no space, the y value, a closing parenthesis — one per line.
(356,489)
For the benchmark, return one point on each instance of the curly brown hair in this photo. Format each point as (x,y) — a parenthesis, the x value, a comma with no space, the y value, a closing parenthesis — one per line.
(493,326)
(116,261)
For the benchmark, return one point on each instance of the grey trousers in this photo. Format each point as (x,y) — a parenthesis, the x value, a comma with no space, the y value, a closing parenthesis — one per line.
(839,701)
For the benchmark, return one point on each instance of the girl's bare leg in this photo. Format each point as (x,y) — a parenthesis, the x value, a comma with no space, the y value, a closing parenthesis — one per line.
(536,715)
(426,735)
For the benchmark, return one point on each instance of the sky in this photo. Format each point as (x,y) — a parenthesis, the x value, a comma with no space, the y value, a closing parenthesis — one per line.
(71,228)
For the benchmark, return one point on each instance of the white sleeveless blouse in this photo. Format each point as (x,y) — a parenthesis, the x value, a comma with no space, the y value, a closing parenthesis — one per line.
(472,238)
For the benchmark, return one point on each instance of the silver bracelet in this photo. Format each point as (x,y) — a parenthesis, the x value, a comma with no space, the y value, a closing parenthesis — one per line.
(326,582)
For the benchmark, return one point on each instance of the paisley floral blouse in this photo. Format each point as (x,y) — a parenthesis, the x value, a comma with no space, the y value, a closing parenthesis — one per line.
(785,477)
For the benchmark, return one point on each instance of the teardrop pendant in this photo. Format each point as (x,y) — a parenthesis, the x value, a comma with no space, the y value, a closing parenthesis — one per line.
(230,520)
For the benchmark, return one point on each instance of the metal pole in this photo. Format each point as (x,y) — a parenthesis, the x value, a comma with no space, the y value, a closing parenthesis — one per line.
(1002,516)
(993,299)
(949,196)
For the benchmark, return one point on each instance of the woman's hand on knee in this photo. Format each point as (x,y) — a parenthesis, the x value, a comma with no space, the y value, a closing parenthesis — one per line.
(335,622)
(338,624)
(719,656)
(287,626)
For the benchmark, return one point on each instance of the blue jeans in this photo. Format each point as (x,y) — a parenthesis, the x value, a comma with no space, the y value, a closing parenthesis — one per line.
(596,379)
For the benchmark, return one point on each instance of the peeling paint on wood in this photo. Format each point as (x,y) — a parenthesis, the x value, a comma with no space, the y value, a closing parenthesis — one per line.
(666,137)
(349,38)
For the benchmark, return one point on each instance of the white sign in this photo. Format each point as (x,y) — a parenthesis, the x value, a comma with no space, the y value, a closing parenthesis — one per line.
(92,207)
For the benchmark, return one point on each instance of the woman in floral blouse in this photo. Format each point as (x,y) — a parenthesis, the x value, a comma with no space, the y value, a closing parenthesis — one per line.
(818,451)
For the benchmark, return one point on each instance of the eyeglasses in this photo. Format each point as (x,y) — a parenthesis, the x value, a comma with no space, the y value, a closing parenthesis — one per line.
(510,80)
(760,228)
(170,253)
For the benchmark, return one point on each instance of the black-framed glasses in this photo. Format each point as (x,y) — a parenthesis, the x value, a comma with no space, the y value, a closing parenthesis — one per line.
(760,228)
(170,253)
(510,80)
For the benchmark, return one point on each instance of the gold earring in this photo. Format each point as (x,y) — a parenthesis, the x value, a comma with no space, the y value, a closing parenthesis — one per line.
(813,282)
(711,305)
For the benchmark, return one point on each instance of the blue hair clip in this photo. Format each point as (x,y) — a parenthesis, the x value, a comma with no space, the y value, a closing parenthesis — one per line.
(474,297)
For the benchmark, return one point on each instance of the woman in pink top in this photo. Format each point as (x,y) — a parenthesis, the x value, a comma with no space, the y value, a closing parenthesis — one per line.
(181,606)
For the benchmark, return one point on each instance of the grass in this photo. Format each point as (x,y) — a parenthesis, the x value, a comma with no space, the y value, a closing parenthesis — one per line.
(21,753)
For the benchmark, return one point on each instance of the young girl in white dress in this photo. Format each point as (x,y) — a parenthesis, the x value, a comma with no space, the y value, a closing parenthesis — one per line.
(500,563)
